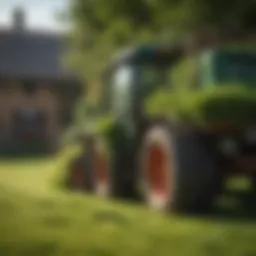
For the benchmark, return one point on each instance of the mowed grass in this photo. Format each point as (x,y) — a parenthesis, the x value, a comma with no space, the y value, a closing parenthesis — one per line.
(37,219)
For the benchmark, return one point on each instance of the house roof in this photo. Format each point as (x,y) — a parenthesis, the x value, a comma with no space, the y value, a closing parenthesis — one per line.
(33,55)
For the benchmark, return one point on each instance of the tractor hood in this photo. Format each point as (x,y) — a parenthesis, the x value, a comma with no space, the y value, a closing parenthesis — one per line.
(220,104)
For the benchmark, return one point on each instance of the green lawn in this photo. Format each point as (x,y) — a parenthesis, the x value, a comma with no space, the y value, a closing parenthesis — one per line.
(37,219)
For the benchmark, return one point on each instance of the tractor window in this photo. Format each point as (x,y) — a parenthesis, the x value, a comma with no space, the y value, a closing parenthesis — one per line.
(121,90)
(149,79)
(152,76)
(236,67)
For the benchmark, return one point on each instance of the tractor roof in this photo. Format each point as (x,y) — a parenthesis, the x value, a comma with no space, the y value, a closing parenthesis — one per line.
(147,53)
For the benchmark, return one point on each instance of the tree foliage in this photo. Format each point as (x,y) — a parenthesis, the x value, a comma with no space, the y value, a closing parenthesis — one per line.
(100,27)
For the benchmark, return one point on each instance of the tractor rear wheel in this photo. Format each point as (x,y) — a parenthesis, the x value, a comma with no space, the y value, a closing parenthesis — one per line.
(178,171)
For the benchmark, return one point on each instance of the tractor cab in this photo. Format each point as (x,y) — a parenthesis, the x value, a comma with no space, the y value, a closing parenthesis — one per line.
(134,74)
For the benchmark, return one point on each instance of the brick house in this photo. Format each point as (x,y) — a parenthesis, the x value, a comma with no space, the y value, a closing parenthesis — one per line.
(37,93)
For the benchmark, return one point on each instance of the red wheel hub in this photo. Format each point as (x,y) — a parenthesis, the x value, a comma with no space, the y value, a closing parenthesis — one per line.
(157,169)
(101,167)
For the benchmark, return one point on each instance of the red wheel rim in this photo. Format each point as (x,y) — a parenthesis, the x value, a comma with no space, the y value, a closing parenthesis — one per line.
(157,171)
(101,168)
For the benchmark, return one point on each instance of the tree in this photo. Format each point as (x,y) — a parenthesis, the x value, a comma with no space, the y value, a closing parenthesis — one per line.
(100,27)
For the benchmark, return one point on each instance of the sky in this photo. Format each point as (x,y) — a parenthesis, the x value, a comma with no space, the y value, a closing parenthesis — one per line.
(40,14)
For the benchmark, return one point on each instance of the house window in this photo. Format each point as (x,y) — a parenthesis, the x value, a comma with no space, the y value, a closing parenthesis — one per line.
(29,124)
(29,88)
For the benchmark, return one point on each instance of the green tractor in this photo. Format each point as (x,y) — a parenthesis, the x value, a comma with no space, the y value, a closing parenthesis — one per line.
(172,128)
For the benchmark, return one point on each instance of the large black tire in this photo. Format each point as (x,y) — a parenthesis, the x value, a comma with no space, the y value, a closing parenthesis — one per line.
(112,169)
(178,170)
(79,174)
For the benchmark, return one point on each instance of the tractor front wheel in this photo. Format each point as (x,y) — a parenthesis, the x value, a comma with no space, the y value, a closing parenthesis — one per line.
(101,168)
(77,179)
